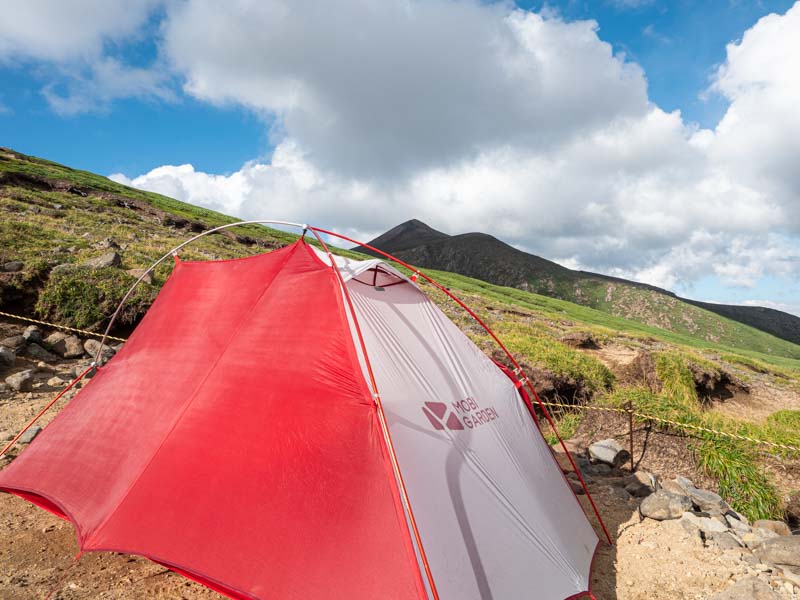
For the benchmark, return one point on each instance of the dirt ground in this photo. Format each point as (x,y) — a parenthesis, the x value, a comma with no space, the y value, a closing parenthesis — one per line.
(647,561)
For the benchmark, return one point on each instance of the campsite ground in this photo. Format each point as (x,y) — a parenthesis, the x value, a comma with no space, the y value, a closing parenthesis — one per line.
(648,560)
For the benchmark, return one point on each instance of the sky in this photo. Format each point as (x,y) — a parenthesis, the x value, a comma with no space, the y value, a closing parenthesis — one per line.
(657,141)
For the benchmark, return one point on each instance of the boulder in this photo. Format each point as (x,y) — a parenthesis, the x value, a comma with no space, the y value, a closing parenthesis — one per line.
(783,551)
(15,342)
(55,382)
(107,259)
(147,276)
(724,540)
(610,452)
(32,335)
(664,505)
(54,338)
(739,527)
(68,347)
(638,490)
(749,588)
(757,537)
(36,352)
(599,469)
(672,486)
(704,524)
(21,382)
(708,501)
(778,527)
(92,347)
(13,266)
(29,435)
(7,357)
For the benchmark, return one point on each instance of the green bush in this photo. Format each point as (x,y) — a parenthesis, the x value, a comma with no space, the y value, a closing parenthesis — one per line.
(84,298)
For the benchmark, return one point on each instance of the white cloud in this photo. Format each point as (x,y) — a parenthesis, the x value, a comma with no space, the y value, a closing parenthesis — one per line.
(476,116)
(58,31)
(76,42)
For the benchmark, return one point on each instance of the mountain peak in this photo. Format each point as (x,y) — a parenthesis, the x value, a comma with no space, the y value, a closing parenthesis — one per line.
(407,235)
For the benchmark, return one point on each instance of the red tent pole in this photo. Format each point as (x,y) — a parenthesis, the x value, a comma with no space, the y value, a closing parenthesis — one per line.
(527,381)
(382,418)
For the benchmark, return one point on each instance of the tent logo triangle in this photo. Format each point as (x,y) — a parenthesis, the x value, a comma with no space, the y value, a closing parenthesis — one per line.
(436,411)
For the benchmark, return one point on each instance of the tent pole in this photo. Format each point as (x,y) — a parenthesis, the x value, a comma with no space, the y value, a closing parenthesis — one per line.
(382,418)
(502,347)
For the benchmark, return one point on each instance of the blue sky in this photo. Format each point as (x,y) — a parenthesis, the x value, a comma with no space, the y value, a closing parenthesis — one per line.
(149,89)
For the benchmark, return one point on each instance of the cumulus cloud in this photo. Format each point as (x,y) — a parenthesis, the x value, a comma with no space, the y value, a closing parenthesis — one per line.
(485,117)
(75,41)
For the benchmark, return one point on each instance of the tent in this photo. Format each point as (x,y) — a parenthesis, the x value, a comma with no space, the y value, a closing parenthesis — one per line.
(294,426)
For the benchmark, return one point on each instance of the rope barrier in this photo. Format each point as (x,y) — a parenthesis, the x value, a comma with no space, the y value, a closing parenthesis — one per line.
(64,327)
(677,424)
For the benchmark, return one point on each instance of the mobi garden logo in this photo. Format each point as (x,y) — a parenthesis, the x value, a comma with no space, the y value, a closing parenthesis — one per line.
(459,415)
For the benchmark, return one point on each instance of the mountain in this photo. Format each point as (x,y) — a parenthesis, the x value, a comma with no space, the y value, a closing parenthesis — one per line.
(485,257)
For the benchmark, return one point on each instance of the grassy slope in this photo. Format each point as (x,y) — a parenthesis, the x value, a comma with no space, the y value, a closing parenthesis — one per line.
(47,227)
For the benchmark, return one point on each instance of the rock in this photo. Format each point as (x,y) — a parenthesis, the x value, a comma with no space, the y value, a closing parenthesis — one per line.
(29,435)
(54,338)
(643,478)
(15,342)
(68,347)
(21,382)
(36,352)
(92,347)
(778,527)
(79,369)
(736,525)
(757,537)
(108,259)
(704,524)
(638,490)
(599,469)
(749,588)
(56,382)
(137,273)
(32,335)
(724,540)
(618,493)
(672,486)
(684,483)
(708,501)
(106,244)
(13,266)
(783,551)
(609,452)
(664,505)
(7,357)
(576,486)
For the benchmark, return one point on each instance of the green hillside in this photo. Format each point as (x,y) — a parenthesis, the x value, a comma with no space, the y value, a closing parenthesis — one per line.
(55,219)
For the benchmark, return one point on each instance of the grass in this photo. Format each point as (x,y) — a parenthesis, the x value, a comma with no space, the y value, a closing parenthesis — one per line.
(48,227)
(734,464)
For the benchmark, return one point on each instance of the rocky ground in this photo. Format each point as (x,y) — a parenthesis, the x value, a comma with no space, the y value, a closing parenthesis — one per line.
(672,540)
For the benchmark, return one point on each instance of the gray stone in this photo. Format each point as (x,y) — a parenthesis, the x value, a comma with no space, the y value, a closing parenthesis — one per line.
(13,266)
(54,338)
(15,342)
(55,382)
(92,347)
(707,501)
(778,527)
(576,486)
(21,382)
(29,435)
(724,540)
(749,588)
(618,493)
(36,352)
(610,452)
(684,483)
(147,276)
(672,486)
(664,505)
(736,525)
(783,551)
(599,469)
(757,537)
(107,259)
(704,524)
(638,490)
(68,347)
(7,357)
(32,335)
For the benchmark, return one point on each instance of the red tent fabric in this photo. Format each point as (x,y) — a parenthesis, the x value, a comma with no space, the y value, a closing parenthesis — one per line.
(224,456)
